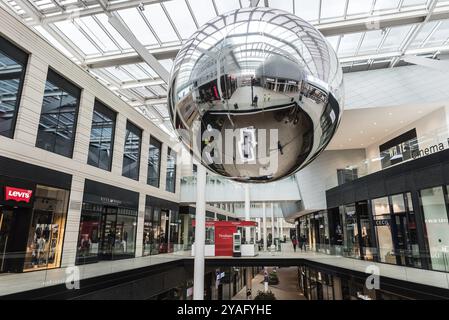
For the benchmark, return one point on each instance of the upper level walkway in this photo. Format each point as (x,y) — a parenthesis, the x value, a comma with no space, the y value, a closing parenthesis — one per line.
(20,282)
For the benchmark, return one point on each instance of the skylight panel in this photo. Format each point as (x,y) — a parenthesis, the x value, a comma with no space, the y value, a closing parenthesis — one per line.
(286,5)
(203,10)
(78,39)
(332,8)
(359,6)
(386,4)
(137,25)
(180,14)
(412,3)
(349,44)
(224,6)
(119,74)
(395,38)
(371,42)
(333,41)
(307,9)
(111,30)
(148,69)
(135,71)
(440,35)
(53,41)
(423,34)
(167,64)
(91,27)
(160,23)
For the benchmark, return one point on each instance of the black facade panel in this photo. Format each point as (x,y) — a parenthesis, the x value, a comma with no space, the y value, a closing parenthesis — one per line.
(428,177)
(161,203)
(396,183)
(96,192)
(14,169)
(421,173)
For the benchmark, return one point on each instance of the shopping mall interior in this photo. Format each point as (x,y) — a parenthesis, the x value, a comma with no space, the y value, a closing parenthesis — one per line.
(224,149)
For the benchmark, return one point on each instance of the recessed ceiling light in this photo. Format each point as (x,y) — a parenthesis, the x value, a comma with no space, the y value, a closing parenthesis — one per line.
(350,139)
(390,114)
(362,144)
(361,131)
(402,121)
(419,111)
(375,123)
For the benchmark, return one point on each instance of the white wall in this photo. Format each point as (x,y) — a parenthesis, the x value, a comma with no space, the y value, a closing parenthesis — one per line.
(408,85)
(430,129)
(321,175)
(22,147)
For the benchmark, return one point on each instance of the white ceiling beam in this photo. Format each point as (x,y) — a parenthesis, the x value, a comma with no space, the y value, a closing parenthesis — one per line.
(150,102)
(415,32)
(141,83)
(138,47)
(96,9)
(387,55)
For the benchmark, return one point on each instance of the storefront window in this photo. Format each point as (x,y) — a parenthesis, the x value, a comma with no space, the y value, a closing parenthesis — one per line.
(101,137)
(437,227)
(131,154)
(88,242)
(57,124)
(46,233)
(382,223)
(154,162)
(13,62)
(171,171)
(366,235)
(351,245)
(106,232)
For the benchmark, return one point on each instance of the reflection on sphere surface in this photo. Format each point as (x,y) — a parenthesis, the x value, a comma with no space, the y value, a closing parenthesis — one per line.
(256,94)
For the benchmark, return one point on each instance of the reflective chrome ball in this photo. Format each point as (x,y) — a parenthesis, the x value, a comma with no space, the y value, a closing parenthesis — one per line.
(256,94)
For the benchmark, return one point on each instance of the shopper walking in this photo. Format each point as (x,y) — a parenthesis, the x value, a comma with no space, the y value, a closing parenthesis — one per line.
(295,243)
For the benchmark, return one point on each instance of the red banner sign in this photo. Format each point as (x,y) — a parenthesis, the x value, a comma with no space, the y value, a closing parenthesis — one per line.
(17,194)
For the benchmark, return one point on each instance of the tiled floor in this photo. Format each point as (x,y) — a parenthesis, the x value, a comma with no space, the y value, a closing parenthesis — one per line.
(287,289)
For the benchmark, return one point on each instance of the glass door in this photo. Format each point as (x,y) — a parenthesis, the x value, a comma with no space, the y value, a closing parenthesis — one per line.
(107,232)
(6,217)
(164,233)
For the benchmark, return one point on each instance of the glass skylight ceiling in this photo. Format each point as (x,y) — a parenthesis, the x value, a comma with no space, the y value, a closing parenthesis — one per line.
(80,29)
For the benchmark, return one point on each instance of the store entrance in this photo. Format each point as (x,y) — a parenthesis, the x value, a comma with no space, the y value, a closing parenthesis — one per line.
(165,232)
(14,222)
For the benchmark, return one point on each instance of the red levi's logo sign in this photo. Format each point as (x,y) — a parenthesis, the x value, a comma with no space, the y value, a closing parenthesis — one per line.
(17,194)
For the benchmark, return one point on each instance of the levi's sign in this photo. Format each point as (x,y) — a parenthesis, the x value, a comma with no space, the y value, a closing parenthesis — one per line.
(17,194)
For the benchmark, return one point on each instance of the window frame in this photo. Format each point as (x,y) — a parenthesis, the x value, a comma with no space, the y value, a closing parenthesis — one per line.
(169,154)
(57,79)
(133,125)
(10,49)
(99,104)
(152,138)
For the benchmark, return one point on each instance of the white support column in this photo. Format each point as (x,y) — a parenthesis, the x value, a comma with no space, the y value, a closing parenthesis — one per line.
(258,229)
(247,214)
(272,223)
(281,221)
(264,218)
(200,234)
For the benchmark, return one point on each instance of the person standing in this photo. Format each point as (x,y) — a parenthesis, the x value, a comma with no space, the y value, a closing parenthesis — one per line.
(295,243)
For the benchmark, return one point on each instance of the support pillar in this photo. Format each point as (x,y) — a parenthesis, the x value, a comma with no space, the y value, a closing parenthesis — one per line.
(200,234)
(272,224)
(264,219)
(247,214)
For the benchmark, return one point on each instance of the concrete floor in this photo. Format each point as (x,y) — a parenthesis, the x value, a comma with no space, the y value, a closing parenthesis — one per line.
(287,289)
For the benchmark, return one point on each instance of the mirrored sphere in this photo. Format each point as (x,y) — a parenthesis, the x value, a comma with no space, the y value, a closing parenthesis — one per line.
(256,94)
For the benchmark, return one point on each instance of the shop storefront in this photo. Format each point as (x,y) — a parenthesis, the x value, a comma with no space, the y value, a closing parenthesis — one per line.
(108,223)
(162,227)
(33,211)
